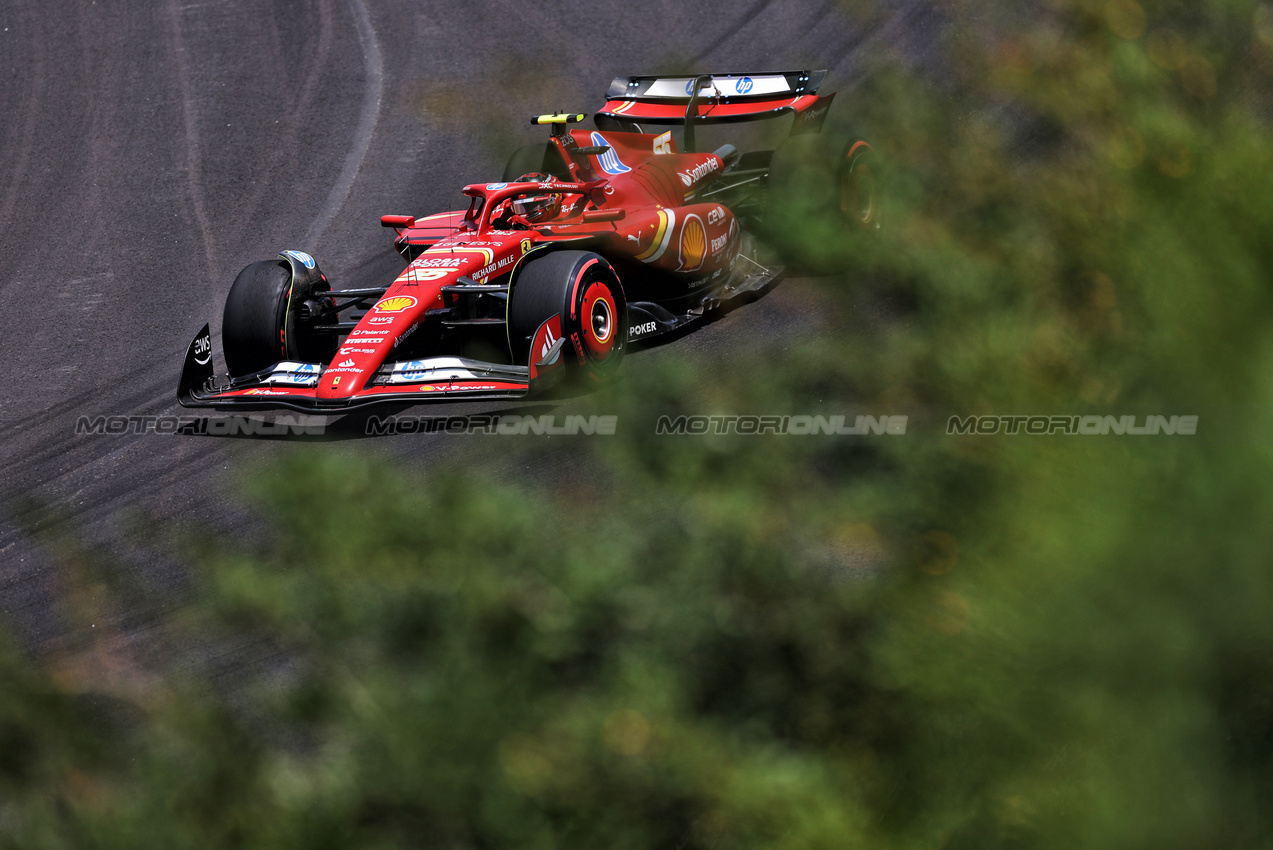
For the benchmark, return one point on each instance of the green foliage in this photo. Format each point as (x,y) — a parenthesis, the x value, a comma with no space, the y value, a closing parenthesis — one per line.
(924,641)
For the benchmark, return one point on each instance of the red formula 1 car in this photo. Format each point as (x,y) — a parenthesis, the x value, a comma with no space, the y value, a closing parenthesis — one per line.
(589,242)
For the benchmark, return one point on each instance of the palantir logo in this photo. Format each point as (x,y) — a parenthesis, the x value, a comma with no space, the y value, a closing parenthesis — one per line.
(743,86)
(609,160)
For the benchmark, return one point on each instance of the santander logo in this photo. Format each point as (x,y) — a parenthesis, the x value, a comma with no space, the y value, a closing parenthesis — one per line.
(698,172)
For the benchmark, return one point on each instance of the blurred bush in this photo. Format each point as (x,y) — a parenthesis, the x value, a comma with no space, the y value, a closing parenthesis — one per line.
(928,641)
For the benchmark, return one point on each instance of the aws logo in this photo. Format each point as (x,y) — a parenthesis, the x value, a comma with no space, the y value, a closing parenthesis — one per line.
(610,162)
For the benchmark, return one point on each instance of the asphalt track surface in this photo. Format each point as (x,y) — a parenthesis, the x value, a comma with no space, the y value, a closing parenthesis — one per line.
(153,148)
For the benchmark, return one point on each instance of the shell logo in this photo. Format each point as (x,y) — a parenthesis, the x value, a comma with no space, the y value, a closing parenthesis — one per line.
(693,243)
(396,304)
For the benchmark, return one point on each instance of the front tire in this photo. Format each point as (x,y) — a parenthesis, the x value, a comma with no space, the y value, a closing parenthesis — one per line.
(268,317)
(255,313)
(584,290)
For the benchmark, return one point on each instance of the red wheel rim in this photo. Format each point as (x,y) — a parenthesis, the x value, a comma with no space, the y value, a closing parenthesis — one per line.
(600,317)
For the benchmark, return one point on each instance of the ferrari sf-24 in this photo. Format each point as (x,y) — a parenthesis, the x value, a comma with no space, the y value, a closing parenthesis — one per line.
(591,241)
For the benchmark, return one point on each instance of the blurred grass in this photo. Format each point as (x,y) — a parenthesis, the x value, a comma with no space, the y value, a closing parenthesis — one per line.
(1065,642)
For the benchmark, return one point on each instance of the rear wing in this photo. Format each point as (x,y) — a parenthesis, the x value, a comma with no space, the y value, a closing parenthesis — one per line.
(717,97)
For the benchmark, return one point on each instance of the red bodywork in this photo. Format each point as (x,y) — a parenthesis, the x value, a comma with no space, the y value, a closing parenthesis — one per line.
(630,197)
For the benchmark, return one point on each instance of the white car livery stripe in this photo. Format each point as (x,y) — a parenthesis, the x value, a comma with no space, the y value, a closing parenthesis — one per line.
(662,236)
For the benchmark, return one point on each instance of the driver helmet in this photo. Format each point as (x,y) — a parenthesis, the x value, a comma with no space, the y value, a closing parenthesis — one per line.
(537,208)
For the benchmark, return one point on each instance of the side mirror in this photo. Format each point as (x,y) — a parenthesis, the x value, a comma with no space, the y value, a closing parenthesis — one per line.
(397,221)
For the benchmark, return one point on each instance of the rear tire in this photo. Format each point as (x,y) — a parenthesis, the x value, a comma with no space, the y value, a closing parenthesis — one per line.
(822,198)
(859,195)
(585,291)
(255,310)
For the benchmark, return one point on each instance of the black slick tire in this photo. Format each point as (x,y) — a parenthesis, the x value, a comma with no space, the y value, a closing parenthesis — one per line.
(253,321)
